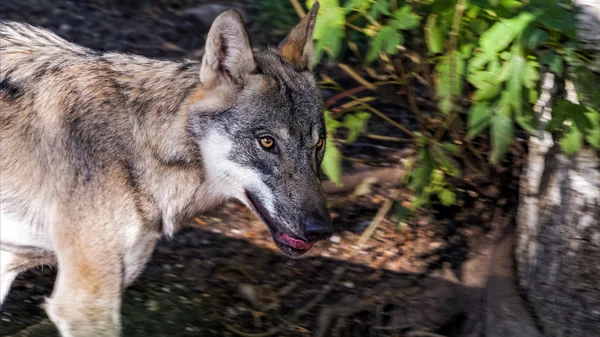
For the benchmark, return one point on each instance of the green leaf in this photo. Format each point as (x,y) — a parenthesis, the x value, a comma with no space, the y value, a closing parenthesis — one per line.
(330,15)
(571,141)
(479,26)
(502,135)
(560,112)
(387,40)
(482,79)
(511,4)
(402,213)
(433,36)
(332,162)
(530,76)
(586,84)
(380,7)
(421,174)
(481,60)
(487,91)
(593,135)
(452,148)
(502,33)
(444,92)
(532,95)
(447,197)
(329,28)
(331,124)
(357,5)
(514,88)
(497,38)
(446,104)
(356,125)
(507,70)
(526,123)
(553,16)
(538,37)
(479,119)
(581,120)
(554,61)
(574,112)
(445,162)
(405,19)
(466,50)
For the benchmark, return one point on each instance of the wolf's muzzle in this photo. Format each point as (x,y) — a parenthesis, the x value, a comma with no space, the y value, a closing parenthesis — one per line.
(317,228)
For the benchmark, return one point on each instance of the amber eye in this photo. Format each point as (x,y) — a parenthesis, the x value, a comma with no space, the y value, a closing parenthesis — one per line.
(267,143)
(320,143)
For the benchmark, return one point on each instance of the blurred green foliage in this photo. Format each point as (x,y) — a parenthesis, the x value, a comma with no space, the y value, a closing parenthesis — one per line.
(482,59)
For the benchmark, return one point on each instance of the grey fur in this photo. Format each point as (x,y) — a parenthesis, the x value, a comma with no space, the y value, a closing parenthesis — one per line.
(102,153)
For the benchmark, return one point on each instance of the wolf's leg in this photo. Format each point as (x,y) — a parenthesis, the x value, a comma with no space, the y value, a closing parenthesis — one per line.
(100,249)
(86,299)
(12,264)
(8,272)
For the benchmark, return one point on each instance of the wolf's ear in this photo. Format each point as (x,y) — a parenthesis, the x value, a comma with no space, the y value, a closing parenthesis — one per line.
(297,48)
(228,53)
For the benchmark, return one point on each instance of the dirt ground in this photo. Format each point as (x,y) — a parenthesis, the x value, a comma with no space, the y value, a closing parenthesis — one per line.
(223,272)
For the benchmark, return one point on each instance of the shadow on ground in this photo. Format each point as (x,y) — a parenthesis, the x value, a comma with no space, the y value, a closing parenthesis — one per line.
(199,281)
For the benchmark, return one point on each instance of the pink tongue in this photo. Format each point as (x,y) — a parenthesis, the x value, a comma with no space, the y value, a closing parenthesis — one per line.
(295,243)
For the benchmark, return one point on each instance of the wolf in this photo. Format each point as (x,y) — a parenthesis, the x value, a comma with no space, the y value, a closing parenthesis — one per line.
(103,153)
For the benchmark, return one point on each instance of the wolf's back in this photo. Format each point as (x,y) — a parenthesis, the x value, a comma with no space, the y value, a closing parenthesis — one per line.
(16,37)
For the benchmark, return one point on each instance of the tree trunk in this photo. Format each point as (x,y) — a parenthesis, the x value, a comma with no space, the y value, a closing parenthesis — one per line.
(558,242)
(558,223)
(589,24)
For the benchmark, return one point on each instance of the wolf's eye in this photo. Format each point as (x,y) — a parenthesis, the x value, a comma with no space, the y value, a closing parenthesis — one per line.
(320,143)
(267,143)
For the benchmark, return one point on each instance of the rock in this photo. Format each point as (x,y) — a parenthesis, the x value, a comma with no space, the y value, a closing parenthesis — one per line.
(335,239)
(152,305)
(64,28)
(248,292)
(491,192)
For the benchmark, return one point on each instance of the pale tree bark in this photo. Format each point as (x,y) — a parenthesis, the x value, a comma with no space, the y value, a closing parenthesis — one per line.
(558,224)
(589,24)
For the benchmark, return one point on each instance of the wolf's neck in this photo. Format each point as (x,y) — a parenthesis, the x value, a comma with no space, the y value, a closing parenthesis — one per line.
(157,95)
(168,161)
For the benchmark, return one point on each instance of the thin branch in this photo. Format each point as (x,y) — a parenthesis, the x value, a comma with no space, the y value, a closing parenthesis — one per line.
(458,13)
(356,76)
(358,29)
(409,91)
(298,8)
(353,91)
(389,120)
(447,123)
(383,211)
(387,138)
(355,160)
(270,332)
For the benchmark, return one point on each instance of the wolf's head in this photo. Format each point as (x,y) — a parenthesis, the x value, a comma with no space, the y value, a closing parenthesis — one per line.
(260,127)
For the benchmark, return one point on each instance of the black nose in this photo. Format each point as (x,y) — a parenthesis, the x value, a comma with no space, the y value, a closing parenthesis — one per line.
(317,228)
